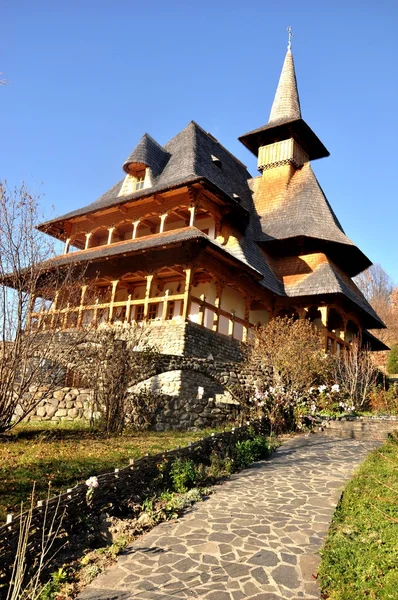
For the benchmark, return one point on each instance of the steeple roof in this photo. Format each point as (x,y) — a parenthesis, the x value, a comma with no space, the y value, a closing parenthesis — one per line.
(286,105)
(148,153)
(285,120)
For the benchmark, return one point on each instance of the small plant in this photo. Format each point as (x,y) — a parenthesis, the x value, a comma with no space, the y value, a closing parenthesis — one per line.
(183,474)
(248,451)
(52,587)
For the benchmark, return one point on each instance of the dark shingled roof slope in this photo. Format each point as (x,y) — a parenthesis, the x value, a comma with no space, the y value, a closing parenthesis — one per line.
(328,278)
(304,211)
(148,152)
(190,159)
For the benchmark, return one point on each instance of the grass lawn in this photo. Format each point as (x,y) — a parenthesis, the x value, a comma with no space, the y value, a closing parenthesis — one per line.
(66,455)
(360,559)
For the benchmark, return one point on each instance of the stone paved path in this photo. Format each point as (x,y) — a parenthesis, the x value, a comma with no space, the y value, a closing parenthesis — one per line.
(257,537)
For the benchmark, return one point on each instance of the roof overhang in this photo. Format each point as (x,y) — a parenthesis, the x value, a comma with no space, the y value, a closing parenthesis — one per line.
(373,343)
(277,131)
(348,256)
(55,227)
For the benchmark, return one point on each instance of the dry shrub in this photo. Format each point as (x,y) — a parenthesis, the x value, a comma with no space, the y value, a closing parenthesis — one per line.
(292,351)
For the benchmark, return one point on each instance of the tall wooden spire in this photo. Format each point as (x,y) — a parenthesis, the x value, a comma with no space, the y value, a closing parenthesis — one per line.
(286,105)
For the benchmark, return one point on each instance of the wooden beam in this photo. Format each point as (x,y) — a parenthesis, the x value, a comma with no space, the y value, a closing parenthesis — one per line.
(113,293)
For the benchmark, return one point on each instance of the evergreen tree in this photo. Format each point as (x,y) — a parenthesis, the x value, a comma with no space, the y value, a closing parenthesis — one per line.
(392,362)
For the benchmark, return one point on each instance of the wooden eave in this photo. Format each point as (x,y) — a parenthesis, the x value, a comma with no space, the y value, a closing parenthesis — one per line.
(60,230)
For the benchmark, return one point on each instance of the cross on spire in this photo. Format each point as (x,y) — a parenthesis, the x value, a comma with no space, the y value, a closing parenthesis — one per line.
(290,34)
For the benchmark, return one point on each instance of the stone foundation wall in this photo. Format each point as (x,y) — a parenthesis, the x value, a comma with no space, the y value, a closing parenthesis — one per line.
(66,404)
(188,400)
(189,339)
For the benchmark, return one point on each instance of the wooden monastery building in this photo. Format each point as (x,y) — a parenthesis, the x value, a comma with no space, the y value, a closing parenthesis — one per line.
(189,241)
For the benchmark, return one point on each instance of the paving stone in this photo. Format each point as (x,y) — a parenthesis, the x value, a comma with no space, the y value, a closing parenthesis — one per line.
(257,537)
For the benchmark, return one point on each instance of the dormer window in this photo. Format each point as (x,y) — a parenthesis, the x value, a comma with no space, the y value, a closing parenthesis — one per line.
(216,160)
(135,182)
(139,178)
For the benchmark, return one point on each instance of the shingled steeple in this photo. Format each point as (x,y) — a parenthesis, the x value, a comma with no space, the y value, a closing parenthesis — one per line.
(285,120)
(286,105)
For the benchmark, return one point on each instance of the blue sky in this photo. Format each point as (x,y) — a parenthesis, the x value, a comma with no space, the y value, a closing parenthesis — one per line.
(87,78)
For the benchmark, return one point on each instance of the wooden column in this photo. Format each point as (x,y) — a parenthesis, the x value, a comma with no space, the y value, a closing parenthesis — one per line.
(128,308)
(165,303)
(54,308)
(67,245)
(149,279)
(324,319)
(30,310)
(41,316)
(231,324)
(192,210)
(202,309)
(80,314)
(88,236)
(245,328)
(135,228)
(217,304)
(95,315)
(113,293)
(187,289)
(66,314)
(162,222)
(110,234)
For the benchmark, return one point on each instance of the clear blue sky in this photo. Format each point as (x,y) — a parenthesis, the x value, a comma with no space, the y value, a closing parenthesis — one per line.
(87,78)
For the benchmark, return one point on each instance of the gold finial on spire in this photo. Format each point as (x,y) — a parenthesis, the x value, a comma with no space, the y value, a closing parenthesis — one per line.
(290,33)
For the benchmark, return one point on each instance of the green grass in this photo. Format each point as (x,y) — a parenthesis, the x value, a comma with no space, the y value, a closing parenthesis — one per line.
(66,455)
(360,558)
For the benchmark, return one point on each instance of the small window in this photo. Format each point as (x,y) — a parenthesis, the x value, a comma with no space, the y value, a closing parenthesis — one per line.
(170,310)
(139,180)
(139,312)
(153,311)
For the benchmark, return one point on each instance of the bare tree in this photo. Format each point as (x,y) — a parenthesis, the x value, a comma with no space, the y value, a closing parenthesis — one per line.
(111,360)
(356,374)
(290,355)
(31,362)
(377,286)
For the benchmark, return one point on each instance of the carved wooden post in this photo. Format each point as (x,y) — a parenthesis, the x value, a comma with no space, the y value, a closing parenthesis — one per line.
(80,314)
(165,304)
(149,279)
(30,310)
(113,293)
(95,315)
(88,236)
(231,324)
(192,210)
(54,308)
(188,283)
(110,234)
(162,222)
(245,328)
(135,228)
(217,304)
(66,314)
(128,308)
(324,319)
(67,244)
(202,309)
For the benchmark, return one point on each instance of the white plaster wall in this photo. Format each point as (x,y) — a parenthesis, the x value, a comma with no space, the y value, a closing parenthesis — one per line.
(232,300)
(259,316)
(207,223)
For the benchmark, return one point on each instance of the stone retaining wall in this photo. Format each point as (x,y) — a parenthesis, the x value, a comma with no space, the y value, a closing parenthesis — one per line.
(65,404)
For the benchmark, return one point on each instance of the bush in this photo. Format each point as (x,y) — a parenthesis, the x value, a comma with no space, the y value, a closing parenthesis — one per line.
(392,362)
(183,474)
(248,451)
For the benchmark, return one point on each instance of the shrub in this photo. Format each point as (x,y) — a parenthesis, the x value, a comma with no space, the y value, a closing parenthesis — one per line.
(183,474)
(248,451)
